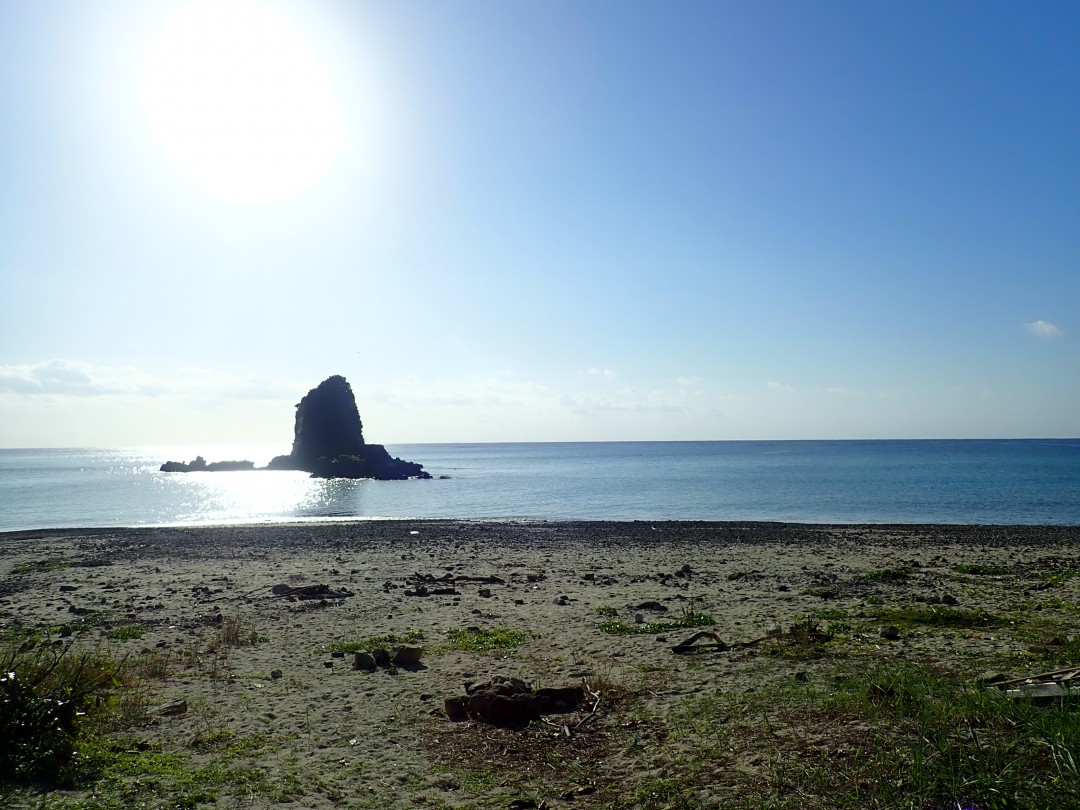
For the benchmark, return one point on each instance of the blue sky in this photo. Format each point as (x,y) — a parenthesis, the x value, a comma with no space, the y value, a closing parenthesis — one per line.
(539,221)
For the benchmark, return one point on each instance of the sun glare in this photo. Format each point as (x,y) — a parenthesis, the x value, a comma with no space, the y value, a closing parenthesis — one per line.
(241,102)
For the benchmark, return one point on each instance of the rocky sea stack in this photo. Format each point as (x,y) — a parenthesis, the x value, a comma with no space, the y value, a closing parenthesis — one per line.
(328,442)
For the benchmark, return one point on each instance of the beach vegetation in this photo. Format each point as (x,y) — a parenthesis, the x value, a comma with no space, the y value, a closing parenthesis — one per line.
(885,575)
(633,628)
(1059,577)
(380,642)
(485,639)
(665,794)
(235,632)
(607,611)
(41,565)
(935,616)
(124,632)
(45,694)
(980,569)
(882,734)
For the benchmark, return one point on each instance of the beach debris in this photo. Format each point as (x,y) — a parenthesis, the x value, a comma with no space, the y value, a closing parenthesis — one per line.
(890,632)
(691,645)
(175,709)
(512,703)
(445,585)
(320,591)
(1057,684)
(650,605)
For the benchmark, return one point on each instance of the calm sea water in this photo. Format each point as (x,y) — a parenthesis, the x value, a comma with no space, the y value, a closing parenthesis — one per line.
(1003,482)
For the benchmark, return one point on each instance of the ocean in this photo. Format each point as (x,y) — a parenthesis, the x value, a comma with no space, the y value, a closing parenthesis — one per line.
(961,482)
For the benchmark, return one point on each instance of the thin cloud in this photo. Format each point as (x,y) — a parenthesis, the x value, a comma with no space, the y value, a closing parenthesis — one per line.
(779,386)
(606,373)
(1044,329)
(78,379)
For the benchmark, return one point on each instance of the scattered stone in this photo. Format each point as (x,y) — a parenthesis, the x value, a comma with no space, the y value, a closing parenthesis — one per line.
(275,674)
(68,588)
(651,605)
(175,709)
(406,655)
(365,661)
(802,677)
(337,654)
(562,600)
(511,703)
(949,599)
(991,677)
(890,632)
(485,593)
(381,656)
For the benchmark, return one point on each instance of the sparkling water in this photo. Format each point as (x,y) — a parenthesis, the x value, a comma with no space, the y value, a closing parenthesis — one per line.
(970,481)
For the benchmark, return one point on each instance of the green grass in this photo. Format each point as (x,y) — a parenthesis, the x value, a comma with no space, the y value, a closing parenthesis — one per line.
(688,621)
(480,639)
(878,735)
(41,565)
(128,631)
(939,617)
(607,611)
(376,642)
(980,570)
(45,694)
(885,575)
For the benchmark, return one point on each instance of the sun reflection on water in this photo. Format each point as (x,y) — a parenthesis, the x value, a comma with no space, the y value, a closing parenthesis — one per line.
(253,496)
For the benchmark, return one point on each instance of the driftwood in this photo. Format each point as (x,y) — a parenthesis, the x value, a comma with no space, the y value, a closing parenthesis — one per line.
(690,646)
(1056,683)
(320,591)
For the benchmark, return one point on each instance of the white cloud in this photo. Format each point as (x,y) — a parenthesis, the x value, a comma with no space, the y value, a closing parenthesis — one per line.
(1044,329)
(77,379)
(688,380)
(606,373)
(779,386)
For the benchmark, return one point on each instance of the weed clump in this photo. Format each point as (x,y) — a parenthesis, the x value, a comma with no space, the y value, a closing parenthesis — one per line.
(43,698)
(481,639)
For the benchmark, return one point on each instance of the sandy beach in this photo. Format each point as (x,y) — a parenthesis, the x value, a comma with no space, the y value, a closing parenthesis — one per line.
(250,629)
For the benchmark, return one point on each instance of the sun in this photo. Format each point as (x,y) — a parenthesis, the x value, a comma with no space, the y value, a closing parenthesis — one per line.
(241,102)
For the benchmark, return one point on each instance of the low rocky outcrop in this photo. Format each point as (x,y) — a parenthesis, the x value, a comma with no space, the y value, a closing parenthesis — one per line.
(199,464)
(328,442)
(511,703)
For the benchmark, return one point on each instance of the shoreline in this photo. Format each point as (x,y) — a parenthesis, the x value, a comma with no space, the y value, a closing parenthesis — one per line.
(348,736)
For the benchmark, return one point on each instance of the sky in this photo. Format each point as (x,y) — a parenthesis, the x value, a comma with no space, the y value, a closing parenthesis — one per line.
(583,220)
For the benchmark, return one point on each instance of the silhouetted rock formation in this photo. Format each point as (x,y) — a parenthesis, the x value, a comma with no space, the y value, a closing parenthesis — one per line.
(329,439)
(328,442)
(199,465)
